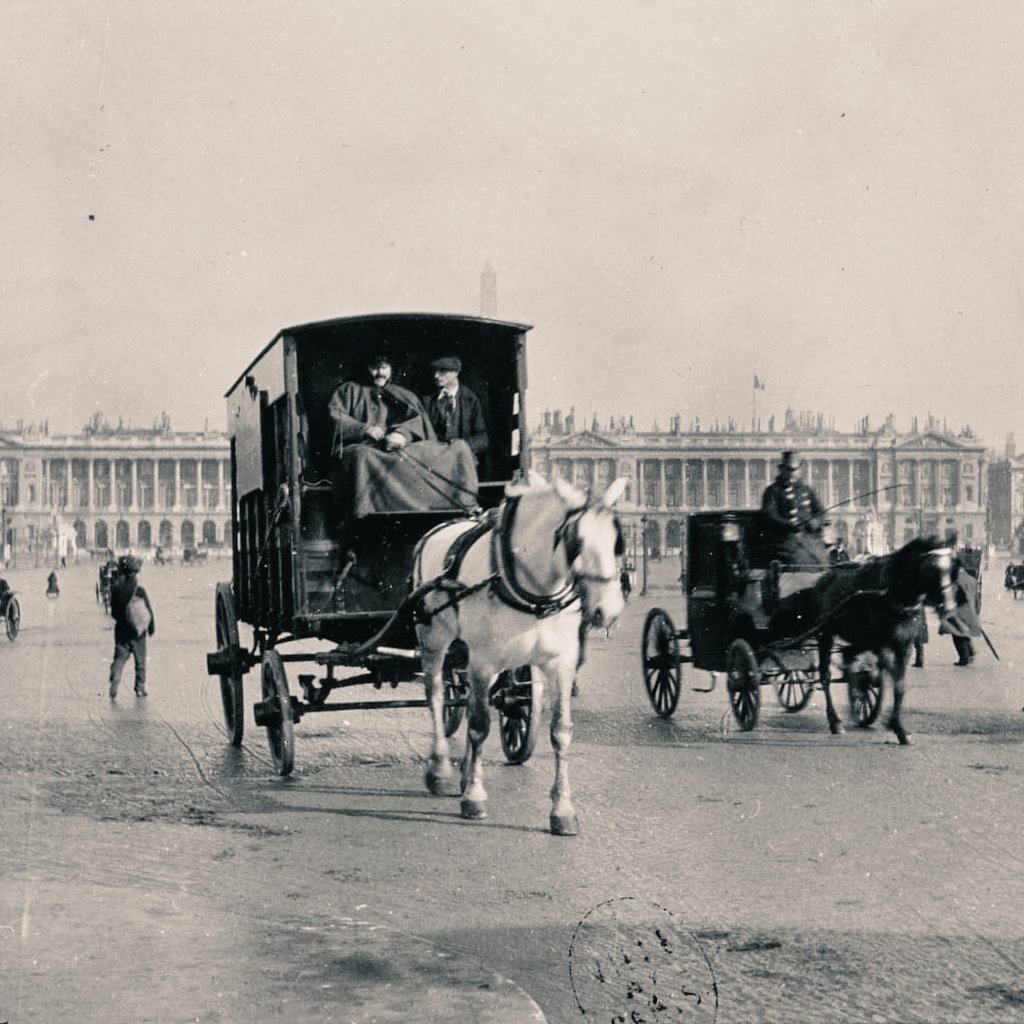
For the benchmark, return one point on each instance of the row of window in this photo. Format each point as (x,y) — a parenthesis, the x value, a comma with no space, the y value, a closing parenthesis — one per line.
(165,538)
(157,483)
(739,483)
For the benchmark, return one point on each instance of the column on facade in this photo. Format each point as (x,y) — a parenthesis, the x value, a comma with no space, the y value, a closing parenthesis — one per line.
(661,483)
(90,484)
(133,499)
(221,502)
(177,484)
(68,503)
(704,483)
(46,483)
(747,502)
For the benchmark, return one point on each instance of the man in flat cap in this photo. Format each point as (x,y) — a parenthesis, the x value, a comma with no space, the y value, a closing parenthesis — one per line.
(793,517)
(454,411)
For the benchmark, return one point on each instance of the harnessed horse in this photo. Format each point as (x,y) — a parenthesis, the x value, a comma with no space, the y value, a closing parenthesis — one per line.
(516,587)
(872,607)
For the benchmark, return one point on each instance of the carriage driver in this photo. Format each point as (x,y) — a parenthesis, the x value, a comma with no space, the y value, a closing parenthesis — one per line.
(793,517)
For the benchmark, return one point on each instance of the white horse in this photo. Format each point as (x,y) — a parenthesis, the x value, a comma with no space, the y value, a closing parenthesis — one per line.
(515,586)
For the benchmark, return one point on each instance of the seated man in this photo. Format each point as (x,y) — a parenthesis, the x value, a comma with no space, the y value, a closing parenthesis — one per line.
(388,457)
(793,517)
(454,410)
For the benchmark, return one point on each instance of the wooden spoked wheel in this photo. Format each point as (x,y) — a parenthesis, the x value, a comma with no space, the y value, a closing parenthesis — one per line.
(12,618)
(864,688)
(744,682)
(231,682)
(660,662)
(456,686)
(793,686)
(519,711)
(280,718)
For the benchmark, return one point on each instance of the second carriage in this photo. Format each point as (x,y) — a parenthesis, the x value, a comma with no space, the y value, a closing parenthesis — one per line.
(305,567)
(732,586)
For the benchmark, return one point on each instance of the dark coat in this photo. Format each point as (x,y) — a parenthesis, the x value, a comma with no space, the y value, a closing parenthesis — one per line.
(792,518)
(121,592)
(469,419)
(351,408)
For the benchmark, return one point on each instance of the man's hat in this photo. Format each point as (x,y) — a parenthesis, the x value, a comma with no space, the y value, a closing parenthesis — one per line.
(790,461)
(377,358)
(447,363)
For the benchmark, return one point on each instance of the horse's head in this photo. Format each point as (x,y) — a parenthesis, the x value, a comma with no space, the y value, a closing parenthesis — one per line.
(929,563)
(591,537)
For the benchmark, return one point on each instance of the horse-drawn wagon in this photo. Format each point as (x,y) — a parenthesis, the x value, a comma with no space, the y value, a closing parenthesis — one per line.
(1013,579)
(761,622)
(306,566)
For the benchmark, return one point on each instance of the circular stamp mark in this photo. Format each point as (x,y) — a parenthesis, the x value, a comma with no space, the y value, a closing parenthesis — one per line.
(630,962)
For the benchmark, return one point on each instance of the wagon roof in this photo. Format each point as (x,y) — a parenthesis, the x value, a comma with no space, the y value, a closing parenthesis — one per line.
(315,326)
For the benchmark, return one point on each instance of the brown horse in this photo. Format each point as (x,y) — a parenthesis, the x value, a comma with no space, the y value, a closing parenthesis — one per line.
(872,607)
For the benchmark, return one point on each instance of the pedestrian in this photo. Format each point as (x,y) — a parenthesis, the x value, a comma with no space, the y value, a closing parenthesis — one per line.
(963,623)
(626,583)
(133,622)
(920,637)
(52,587)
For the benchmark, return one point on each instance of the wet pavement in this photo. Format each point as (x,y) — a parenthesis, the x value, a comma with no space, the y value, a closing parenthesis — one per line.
(152,872)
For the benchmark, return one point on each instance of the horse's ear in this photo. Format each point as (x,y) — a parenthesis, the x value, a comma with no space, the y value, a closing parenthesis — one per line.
(614,492)
(517,487)
(569,494)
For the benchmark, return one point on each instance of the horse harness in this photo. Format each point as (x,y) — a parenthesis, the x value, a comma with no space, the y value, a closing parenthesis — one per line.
(504,582)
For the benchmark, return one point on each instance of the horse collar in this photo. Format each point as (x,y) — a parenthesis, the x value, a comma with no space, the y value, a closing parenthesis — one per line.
(507,585)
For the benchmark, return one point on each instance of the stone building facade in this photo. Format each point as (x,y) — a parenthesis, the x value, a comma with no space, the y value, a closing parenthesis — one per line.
(883,487)
(1006,500)
(112,488)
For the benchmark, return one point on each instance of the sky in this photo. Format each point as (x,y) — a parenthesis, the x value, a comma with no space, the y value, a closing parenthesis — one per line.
(676,194)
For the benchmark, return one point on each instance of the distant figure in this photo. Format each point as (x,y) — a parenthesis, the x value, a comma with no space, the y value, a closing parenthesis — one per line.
(52,588)
(454,410)
(133,622)
(839,554)
(793,517)
(626,583)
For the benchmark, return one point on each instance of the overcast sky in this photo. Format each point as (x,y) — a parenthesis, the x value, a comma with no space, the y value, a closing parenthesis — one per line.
(678,195)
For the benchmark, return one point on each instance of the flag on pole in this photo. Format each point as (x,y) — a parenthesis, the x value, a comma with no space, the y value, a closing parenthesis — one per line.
(758,384)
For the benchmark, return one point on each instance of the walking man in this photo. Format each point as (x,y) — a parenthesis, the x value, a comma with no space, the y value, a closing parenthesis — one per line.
(133,622)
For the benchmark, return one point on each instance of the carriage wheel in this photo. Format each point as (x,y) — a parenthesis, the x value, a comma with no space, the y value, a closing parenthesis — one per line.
(280,722)
(12,619)
(456,686)
(793,686)
(518,713)
(744,681)
(660,662)
(864,687)
(231,682)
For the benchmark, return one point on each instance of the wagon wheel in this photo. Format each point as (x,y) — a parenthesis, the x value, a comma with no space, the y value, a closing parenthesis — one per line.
(660,662)
(230,682)
(793,686)
(744,682)
(12,619)
(456,686)
(279,718)
(864,688)
(518,713)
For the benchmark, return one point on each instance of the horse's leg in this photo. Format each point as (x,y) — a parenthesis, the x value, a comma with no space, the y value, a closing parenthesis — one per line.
(563,815)
(896,663)
(478,725)
(438,775)
(825,641)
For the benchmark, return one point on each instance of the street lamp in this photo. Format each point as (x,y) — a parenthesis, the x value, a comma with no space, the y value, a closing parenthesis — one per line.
(643,539)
